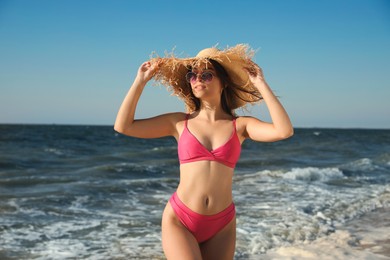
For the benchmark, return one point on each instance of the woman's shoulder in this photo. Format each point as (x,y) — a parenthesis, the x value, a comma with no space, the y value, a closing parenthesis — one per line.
(175,117)
(244,121)
(177,121)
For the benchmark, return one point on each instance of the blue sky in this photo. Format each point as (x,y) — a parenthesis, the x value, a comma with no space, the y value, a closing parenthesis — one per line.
(72,62)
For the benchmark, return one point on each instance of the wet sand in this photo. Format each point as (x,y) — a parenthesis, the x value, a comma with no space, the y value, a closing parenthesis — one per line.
(367,237)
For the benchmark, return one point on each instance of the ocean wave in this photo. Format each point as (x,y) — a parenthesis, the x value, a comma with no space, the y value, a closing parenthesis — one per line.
(310,174)
(363,164)
(280,208)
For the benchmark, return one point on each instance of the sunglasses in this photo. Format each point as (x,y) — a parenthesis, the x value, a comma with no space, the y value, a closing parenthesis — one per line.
(206,76)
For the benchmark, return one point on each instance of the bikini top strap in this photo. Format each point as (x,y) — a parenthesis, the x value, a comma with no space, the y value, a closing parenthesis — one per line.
(234,124)
(185,122)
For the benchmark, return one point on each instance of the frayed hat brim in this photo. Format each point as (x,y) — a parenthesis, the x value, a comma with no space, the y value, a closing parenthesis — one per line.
(235,60)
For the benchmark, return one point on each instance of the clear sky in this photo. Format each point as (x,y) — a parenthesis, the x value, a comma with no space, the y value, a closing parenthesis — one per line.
(72,62)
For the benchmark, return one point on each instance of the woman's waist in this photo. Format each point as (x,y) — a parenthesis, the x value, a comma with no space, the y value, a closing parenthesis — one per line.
(205,200)
(205,187)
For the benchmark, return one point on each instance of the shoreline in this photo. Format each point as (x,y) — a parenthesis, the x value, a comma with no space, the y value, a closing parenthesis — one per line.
(367,237)
(373,231)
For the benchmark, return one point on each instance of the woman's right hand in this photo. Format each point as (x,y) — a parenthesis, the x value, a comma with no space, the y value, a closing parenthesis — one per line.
(146,71)
(125,119)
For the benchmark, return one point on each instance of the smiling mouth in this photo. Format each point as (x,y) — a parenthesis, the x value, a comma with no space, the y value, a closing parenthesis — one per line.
(199,87)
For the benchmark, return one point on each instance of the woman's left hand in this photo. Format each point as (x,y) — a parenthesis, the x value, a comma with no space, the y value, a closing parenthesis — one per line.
(255,74)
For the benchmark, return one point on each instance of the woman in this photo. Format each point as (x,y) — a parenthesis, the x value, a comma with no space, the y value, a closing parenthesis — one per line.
(199,220)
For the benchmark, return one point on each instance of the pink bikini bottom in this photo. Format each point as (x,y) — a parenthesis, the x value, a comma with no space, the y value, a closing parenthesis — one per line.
(203,227)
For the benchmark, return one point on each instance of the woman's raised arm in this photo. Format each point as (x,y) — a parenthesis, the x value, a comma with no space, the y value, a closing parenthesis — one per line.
(159,126)
(281,126)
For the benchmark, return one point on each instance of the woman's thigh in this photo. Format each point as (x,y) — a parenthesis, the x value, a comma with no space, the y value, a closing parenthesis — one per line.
(222,245)
(177,241)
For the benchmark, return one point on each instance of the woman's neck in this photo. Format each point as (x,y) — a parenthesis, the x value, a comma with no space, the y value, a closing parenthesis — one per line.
(211,112)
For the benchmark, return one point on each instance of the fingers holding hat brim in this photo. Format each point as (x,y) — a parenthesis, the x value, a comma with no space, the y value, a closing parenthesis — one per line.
(254,71)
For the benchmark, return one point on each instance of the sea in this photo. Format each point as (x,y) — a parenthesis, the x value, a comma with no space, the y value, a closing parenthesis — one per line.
(87,192)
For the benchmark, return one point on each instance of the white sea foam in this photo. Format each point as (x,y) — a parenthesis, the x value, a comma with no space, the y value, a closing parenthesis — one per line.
(365,238)
(54,151)
(364,164)
(282,210)
(278,213)
(314,174)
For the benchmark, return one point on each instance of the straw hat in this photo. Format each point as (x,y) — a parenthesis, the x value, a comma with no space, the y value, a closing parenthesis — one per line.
(172,72)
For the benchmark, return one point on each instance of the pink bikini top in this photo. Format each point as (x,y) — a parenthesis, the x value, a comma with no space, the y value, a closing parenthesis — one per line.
(191,150)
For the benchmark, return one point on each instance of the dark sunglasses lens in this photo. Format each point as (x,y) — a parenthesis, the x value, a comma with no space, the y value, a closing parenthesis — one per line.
(190,76)
(207,76)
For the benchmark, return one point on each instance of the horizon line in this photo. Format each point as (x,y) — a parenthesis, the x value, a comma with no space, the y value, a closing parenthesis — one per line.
(107,125)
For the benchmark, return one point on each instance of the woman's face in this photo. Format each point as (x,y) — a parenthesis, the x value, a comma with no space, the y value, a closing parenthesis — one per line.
(204,81)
